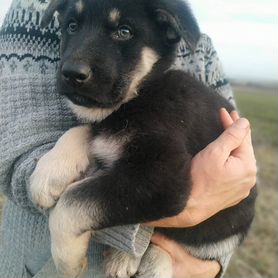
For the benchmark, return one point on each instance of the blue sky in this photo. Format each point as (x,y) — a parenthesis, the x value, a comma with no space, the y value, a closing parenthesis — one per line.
(244,32)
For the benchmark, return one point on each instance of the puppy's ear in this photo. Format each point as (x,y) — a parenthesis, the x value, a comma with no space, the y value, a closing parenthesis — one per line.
(177,20)
(55,5)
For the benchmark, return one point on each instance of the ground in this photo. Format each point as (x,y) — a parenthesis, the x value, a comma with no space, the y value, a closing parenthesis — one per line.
(258,255)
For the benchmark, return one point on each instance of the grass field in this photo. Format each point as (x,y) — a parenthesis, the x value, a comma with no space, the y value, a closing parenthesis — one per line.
(258,255)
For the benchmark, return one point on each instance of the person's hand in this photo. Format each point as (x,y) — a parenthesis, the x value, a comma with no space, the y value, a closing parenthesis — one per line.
(185,265)
(222,174)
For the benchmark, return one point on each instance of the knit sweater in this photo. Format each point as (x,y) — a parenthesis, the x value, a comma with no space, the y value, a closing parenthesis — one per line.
(32,118)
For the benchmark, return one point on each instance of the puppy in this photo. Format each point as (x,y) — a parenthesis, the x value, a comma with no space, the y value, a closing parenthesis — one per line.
(146,123)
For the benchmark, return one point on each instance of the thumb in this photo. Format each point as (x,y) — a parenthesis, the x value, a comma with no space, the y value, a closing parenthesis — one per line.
(232,137)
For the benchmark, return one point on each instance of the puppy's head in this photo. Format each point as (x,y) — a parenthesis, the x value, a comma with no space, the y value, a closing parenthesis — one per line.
(108,48)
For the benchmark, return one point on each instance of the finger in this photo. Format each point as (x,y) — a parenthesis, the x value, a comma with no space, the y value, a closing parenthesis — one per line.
(183,220)
(176,251)
(245,150)
(159,223)
(228,119)
(209,269)
(234,115)
(231,138)
(169,222)
(247,143)
(225,118)
(184,264)
(165,243)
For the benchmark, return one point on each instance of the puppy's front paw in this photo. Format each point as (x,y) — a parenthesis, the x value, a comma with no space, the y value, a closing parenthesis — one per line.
(156,263)
(53,173)
(120,264)
(60,167)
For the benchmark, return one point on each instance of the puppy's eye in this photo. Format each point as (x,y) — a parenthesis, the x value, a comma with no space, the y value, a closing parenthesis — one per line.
(72,26)
(123,33)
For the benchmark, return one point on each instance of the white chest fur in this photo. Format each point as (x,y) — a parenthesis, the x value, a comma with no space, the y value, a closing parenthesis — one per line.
(108,148)
(215,250)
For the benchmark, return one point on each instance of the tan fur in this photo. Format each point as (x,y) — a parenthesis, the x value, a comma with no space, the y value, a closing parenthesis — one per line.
(215,250)
(91,114)
(108,148)
(70,236)
(120,264)
(156,263)
(79,7)
(114,16)
(144,67)
(61,166)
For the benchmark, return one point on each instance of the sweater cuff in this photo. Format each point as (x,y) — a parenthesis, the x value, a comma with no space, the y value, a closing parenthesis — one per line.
(20,180)
(133,239)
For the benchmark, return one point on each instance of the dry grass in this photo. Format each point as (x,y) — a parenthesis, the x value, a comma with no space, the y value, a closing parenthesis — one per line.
(1,204)
(258,255)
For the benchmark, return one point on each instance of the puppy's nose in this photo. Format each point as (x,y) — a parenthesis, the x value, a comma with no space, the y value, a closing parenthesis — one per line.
(76,73)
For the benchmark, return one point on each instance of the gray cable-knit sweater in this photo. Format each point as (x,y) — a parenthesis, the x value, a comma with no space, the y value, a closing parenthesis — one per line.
(32,117)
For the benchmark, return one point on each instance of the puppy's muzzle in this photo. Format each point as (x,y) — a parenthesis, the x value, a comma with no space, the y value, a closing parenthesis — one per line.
(76,74)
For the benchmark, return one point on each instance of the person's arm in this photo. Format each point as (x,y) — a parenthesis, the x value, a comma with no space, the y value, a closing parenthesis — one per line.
(30,108)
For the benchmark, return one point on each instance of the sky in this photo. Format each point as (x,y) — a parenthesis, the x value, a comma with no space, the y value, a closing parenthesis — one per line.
(244,33)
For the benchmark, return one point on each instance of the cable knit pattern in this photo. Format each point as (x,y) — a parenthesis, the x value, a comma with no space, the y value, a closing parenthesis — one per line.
(32,117)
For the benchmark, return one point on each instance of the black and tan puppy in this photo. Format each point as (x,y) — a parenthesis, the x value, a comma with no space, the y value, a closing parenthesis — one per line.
(147,122)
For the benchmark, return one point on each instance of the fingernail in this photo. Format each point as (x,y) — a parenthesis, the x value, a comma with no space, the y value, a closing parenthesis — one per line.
(242,123)
(235,113)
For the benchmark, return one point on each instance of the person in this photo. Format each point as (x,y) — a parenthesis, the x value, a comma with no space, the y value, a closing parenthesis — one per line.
(32,118)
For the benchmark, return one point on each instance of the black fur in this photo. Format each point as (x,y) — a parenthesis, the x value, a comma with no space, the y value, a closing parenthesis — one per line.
(172,118)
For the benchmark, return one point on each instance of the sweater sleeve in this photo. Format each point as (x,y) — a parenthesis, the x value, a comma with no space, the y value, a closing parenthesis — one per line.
(205,65)
(33,115)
